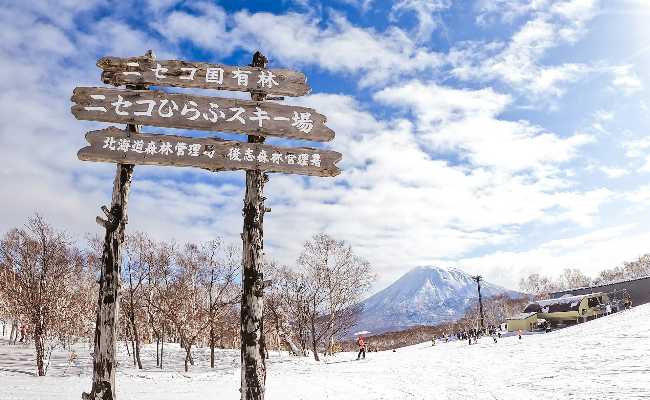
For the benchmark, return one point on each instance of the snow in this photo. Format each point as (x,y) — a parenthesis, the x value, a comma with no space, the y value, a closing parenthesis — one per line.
(607,358)
(522,316)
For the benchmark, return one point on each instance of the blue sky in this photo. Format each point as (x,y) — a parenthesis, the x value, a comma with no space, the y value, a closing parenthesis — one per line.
(505,137)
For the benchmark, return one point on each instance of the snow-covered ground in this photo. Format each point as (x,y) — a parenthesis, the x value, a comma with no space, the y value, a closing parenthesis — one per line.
(608,358)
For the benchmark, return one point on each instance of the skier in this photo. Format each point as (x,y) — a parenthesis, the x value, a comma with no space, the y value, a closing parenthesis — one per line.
(23,329)
(494,337)
(433,340)
(520,332)
(362,347)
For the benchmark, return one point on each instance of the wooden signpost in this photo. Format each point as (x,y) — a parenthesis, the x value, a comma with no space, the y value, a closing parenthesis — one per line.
(148,71)
(116,145)
(257,118)
(155,108)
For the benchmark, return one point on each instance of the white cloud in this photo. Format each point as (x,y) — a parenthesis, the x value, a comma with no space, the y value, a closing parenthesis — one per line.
(646,166)
(299,39)
(614,172)
(465,121)
(625,79)
(639,196)
(519,62)
(490,11)
(426,13)
(591,252)
(637,148)
(603,115)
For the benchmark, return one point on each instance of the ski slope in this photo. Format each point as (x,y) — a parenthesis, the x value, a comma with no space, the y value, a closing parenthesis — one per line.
(608,358)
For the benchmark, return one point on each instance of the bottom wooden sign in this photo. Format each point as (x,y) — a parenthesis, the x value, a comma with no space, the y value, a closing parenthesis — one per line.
(116,145)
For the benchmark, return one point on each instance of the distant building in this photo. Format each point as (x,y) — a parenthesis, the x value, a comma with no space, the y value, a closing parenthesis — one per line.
(523,321)
(566,309)
(637,289)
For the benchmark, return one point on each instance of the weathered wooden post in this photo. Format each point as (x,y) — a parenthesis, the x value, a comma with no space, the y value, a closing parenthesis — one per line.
(103,386)
(106,324)
(253,366)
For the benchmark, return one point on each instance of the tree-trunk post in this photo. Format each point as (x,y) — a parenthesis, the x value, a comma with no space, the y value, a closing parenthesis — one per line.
(103,387)
(253,366)
(106,324)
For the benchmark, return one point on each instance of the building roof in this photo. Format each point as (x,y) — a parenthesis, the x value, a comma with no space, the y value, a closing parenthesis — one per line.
(522,316)
(561,304)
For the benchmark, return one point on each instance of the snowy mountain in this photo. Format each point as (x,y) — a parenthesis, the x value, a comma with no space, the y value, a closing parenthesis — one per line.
(423,296)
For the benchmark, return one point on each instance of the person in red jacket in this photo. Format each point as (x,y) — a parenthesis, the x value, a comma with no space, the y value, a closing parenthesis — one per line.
(362,347)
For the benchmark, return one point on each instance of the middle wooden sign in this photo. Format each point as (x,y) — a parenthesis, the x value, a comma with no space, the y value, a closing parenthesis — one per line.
(157,108)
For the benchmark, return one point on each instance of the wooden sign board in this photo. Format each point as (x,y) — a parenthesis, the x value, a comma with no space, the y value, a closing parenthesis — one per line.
(157,108)
(148,71)
(115,145)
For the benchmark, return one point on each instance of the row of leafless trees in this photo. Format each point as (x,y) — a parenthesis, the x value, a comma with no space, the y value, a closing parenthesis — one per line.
(570,278)
(495,311)
(184,294)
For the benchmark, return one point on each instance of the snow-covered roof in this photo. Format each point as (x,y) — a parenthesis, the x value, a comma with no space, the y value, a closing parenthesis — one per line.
(522,316)
(564,303)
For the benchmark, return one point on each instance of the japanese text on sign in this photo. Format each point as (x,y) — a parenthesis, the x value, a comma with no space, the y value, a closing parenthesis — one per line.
(191,110)
(188,149)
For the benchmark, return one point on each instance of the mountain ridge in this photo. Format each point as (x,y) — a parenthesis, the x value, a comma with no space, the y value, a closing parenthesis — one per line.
(425,295)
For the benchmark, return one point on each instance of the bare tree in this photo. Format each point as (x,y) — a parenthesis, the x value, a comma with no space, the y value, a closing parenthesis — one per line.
(41,263)
(195,292)
(629,270)
(224,266)
(279,306)
(335,280)
(572,278)
(159,289)
(537,285)
(137,274)
(496,310)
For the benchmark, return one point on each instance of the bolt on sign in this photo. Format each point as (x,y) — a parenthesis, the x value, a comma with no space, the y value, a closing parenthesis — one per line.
(257,118)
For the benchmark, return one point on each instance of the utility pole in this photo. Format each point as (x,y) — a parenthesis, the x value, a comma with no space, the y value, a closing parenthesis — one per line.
(478,279)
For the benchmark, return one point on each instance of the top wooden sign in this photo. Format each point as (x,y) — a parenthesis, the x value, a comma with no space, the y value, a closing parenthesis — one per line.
(147,70)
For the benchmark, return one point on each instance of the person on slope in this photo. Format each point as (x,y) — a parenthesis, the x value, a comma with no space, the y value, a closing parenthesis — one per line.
(362,347)
(433,340)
